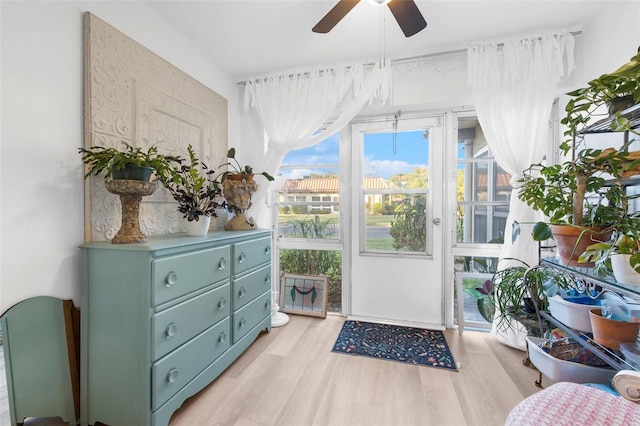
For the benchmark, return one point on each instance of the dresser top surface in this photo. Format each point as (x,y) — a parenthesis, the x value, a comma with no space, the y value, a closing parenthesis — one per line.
(160,242)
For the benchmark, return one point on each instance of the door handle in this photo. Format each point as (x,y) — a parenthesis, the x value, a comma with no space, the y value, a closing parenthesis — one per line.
(436,221)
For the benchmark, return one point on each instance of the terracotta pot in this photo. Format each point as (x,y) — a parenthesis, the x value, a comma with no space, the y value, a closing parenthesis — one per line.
(240,176)
(572,241)
(611,333)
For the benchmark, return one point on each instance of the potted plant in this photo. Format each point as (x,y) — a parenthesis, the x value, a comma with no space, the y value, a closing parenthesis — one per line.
(485,299)
(615,90)
(130,163)
(619,256)
(514,284)
(237,172)
(238,186)
(585,197)
(196,190)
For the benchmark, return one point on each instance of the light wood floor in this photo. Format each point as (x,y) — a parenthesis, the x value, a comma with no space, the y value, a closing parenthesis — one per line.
(291,377)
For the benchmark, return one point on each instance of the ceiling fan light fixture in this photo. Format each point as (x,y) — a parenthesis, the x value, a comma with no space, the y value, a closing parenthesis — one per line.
(379,2)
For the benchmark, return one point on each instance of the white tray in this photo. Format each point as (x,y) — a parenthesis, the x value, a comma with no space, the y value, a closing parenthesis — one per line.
(574,315)
(559,370)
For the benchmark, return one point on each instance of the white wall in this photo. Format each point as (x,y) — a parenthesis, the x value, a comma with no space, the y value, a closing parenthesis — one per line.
(41,184)
(41,216)
(611,39)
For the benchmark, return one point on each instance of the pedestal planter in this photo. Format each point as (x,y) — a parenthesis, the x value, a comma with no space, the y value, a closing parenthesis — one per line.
(131,193)
(237,191)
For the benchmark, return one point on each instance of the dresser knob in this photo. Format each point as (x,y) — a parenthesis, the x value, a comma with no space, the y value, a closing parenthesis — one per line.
(222,337)
(242,257)
(222,303)
(222,264)
(267,280)
(242,323)
(267,305)
(267,250)
(171,330)
(172,375)
(242,292)
(171,279)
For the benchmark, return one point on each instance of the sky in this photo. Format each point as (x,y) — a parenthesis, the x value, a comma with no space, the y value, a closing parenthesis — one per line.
(411,151)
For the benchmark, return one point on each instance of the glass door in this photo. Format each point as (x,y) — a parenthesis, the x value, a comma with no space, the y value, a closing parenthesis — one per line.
(397,217)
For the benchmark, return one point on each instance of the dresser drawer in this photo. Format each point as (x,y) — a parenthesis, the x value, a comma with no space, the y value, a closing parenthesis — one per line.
(250,254)
(178,324)
(250,286)
(250,315)
(175,276)
(174,371)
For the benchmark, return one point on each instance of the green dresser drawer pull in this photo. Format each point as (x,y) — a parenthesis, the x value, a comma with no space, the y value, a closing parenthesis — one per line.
(267,250)
(222,303)
(267,280)
(171,330)
(242,257)
(171,279)
(267,304)
(242,323)
(222,337)
(172,375)
(222,264)
(242,292)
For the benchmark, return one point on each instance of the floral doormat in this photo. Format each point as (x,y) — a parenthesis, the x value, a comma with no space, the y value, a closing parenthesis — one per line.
(404,344)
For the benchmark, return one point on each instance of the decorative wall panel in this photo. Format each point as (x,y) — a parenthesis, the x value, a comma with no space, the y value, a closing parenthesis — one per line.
(133,95)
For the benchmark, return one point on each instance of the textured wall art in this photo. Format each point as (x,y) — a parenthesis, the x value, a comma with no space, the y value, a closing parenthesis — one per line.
(133,95)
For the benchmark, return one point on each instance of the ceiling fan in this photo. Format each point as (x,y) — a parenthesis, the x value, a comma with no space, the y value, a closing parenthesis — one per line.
(405,12)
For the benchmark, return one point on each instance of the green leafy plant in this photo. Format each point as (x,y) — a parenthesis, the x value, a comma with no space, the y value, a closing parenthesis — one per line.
(409,224)
(99,159)
(198,194)
(485,299)
(586,102)
(587,190)
(514,283)
(234,167)
(621,243)
(559,190)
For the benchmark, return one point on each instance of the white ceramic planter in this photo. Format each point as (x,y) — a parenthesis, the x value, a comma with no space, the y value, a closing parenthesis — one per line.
(198,228)
(574,315)
(623,271)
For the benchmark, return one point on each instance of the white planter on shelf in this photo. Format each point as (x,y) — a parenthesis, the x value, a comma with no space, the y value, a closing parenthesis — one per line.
(198,228)
(623,271)
(574,315)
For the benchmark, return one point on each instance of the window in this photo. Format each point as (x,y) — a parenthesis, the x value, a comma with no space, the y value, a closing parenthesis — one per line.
(483,188)
(309,232)
(395,182)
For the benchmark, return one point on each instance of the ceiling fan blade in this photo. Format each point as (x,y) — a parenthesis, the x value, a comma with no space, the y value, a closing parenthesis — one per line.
(408,16)
(334,16)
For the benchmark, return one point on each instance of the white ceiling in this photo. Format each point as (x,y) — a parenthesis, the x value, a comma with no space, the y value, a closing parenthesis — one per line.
(261,37)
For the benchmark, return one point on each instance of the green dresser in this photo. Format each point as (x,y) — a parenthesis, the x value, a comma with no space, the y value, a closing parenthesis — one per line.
(160,320)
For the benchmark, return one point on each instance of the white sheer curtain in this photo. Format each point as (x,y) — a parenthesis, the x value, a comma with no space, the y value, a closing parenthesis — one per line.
(295,109)
(513,91)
